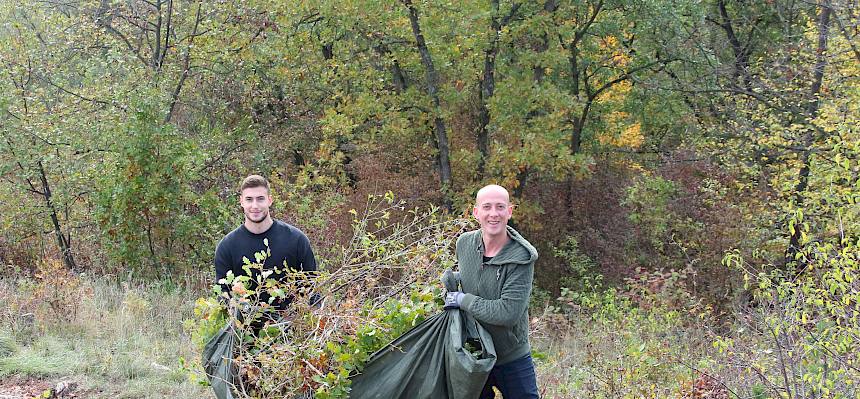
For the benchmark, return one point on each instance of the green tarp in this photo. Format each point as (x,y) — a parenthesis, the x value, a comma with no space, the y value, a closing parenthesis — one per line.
(218,362)
(449,355)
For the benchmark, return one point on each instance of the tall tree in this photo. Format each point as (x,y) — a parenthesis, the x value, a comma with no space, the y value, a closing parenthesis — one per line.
(432,83)
(763,97)
(487,86)
(58,109)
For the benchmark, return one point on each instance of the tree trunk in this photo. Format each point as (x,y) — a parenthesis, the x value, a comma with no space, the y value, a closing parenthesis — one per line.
(443,159)
(795,245)
(488,85)
(740,52)
(576,75)
(62,241)
(539,71)
(186,65)
(155,62)
(397,75)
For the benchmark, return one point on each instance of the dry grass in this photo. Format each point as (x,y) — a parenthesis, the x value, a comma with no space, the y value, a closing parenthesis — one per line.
(638,355)
(123,342)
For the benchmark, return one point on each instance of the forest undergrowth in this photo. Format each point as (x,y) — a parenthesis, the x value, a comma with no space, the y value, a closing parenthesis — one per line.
(647,338)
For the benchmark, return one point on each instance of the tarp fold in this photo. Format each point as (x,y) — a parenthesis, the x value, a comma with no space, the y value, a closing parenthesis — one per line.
(448,356)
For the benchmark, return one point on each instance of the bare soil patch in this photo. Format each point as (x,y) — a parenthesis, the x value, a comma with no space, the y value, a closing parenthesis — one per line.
(17,387)
(23,387)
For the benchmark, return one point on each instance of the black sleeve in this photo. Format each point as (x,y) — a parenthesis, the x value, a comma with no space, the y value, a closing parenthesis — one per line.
(222,264)
(309,266)
(306,254)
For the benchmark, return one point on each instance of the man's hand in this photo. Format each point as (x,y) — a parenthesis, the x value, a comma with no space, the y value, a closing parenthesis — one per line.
(453,300)
(450,280)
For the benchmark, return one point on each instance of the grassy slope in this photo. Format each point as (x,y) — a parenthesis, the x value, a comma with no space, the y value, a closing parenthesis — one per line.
(126,343)
(121,343)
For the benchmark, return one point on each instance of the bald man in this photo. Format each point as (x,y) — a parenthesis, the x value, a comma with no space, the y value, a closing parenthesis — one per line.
(493,284)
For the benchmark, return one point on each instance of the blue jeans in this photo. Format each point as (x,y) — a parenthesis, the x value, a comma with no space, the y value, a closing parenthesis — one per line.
(514,380)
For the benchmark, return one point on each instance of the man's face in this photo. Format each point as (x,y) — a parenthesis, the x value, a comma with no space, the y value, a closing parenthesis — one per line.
(255,203)
(493,209)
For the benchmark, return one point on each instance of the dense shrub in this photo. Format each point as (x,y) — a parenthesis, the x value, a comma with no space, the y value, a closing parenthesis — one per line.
(155,224)
(800,339)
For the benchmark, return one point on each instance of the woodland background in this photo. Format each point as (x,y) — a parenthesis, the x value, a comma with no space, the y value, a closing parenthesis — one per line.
(692,164)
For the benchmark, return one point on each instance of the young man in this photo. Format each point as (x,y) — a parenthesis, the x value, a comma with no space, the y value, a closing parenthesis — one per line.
(493,285)
(289,248)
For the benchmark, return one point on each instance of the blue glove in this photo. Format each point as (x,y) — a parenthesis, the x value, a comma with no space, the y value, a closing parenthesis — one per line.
(454,299)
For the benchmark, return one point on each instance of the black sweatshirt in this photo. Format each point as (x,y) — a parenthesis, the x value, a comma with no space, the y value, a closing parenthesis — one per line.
(286,243)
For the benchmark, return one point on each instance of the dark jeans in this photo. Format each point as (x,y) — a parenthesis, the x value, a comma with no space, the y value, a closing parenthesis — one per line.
(514,380)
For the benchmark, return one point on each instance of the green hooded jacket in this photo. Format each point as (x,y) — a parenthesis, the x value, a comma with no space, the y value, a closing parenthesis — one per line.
(497,293)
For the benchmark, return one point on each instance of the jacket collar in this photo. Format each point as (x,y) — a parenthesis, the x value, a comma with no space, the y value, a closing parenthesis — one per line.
(511,252)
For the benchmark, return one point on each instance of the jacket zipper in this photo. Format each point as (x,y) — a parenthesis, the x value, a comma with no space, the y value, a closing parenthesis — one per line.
(498,267)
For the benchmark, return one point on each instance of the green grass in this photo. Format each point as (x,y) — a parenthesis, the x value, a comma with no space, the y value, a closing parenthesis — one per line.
(8,346)
(122,343)
(622,354)
(127,342)
(47,356)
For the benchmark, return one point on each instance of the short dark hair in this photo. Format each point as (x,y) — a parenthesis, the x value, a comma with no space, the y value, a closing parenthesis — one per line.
(254,181)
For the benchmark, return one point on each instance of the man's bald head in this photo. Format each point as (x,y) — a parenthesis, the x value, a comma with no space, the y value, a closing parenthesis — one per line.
(493,210)
(492,190)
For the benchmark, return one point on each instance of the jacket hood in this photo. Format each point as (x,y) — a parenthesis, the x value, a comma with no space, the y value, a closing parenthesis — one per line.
(517,251)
